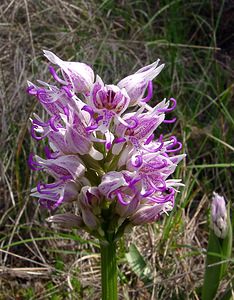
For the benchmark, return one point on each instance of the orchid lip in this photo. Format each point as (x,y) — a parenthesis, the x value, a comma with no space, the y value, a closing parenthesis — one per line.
(91,128)
(58,202)
(163,165)
(88,109)
(148,193)
(174,139)
(39,123)
(175,142)
(158,188)
(50,155)
(170,121)
(30,89)
(39,189)
(120,199)
(138,162)
(52,122)
(40,186)
(66,111)
(150,92)
(135,123)
(66,177)
(134,181)
(33,134)
(119,140)
(35,166)
(55,75)
(169,109)
(99,118)
(156,149)
(67,91)
(42,92)
(149,139)
(158,200)
(164,199)
(177,149)
(161,189)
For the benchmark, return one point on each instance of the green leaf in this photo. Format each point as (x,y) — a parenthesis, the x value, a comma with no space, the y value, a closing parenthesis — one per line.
(138,264)
(226,243)
(218,255)
(213,268)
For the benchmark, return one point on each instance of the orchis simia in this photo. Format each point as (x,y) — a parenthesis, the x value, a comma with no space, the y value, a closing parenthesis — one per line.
(105,154)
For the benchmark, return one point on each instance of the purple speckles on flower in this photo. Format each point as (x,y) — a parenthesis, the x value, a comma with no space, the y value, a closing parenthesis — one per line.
(104,149)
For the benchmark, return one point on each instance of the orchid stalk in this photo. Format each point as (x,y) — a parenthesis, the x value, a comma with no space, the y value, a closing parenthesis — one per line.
(219,248)
(105,153)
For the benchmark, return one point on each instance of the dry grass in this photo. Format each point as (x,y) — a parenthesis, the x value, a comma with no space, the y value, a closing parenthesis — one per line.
(115,37)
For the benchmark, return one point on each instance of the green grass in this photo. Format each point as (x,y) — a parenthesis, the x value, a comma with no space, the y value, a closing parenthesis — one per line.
(116,38)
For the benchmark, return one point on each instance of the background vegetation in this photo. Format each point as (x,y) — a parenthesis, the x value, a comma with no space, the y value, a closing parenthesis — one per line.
(195,40)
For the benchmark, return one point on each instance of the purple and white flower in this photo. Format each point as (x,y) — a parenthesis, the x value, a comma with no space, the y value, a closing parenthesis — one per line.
(105,150)
(79,75)
(137,83)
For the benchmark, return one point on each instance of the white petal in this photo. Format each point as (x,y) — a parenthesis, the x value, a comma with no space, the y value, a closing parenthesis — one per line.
(117,148)
(52,57)
(95,154)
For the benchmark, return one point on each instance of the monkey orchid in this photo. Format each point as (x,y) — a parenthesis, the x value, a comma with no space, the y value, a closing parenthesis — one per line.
(105,153)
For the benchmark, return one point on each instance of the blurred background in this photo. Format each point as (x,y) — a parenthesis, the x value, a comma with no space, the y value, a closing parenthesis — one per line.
(195,40)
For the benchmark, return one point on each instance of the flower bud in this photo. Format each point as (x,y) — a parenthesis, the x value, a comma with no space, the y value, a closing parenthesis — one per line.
(219,216)
(89,202)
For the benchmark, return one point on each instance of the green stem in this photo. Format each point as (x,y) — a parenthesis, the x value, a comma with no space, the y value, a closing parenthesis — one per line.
(109,271)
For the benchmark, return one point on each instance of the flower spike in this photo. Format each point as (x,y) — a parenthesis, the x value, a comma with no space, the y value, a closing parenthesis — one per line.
(104,148)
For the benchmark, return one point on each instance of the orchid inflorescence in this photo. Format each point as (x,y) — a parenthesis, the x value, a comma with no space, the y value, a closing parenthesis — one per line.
(101,149)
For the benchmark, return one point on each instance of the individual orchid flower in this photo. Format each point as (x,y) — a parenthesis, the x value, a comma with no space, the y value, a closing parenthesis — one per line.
(141,126)
(137,83)
(62,167)
(54,194)
(79,75)
(148,213)
(53,99)
(111,181)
